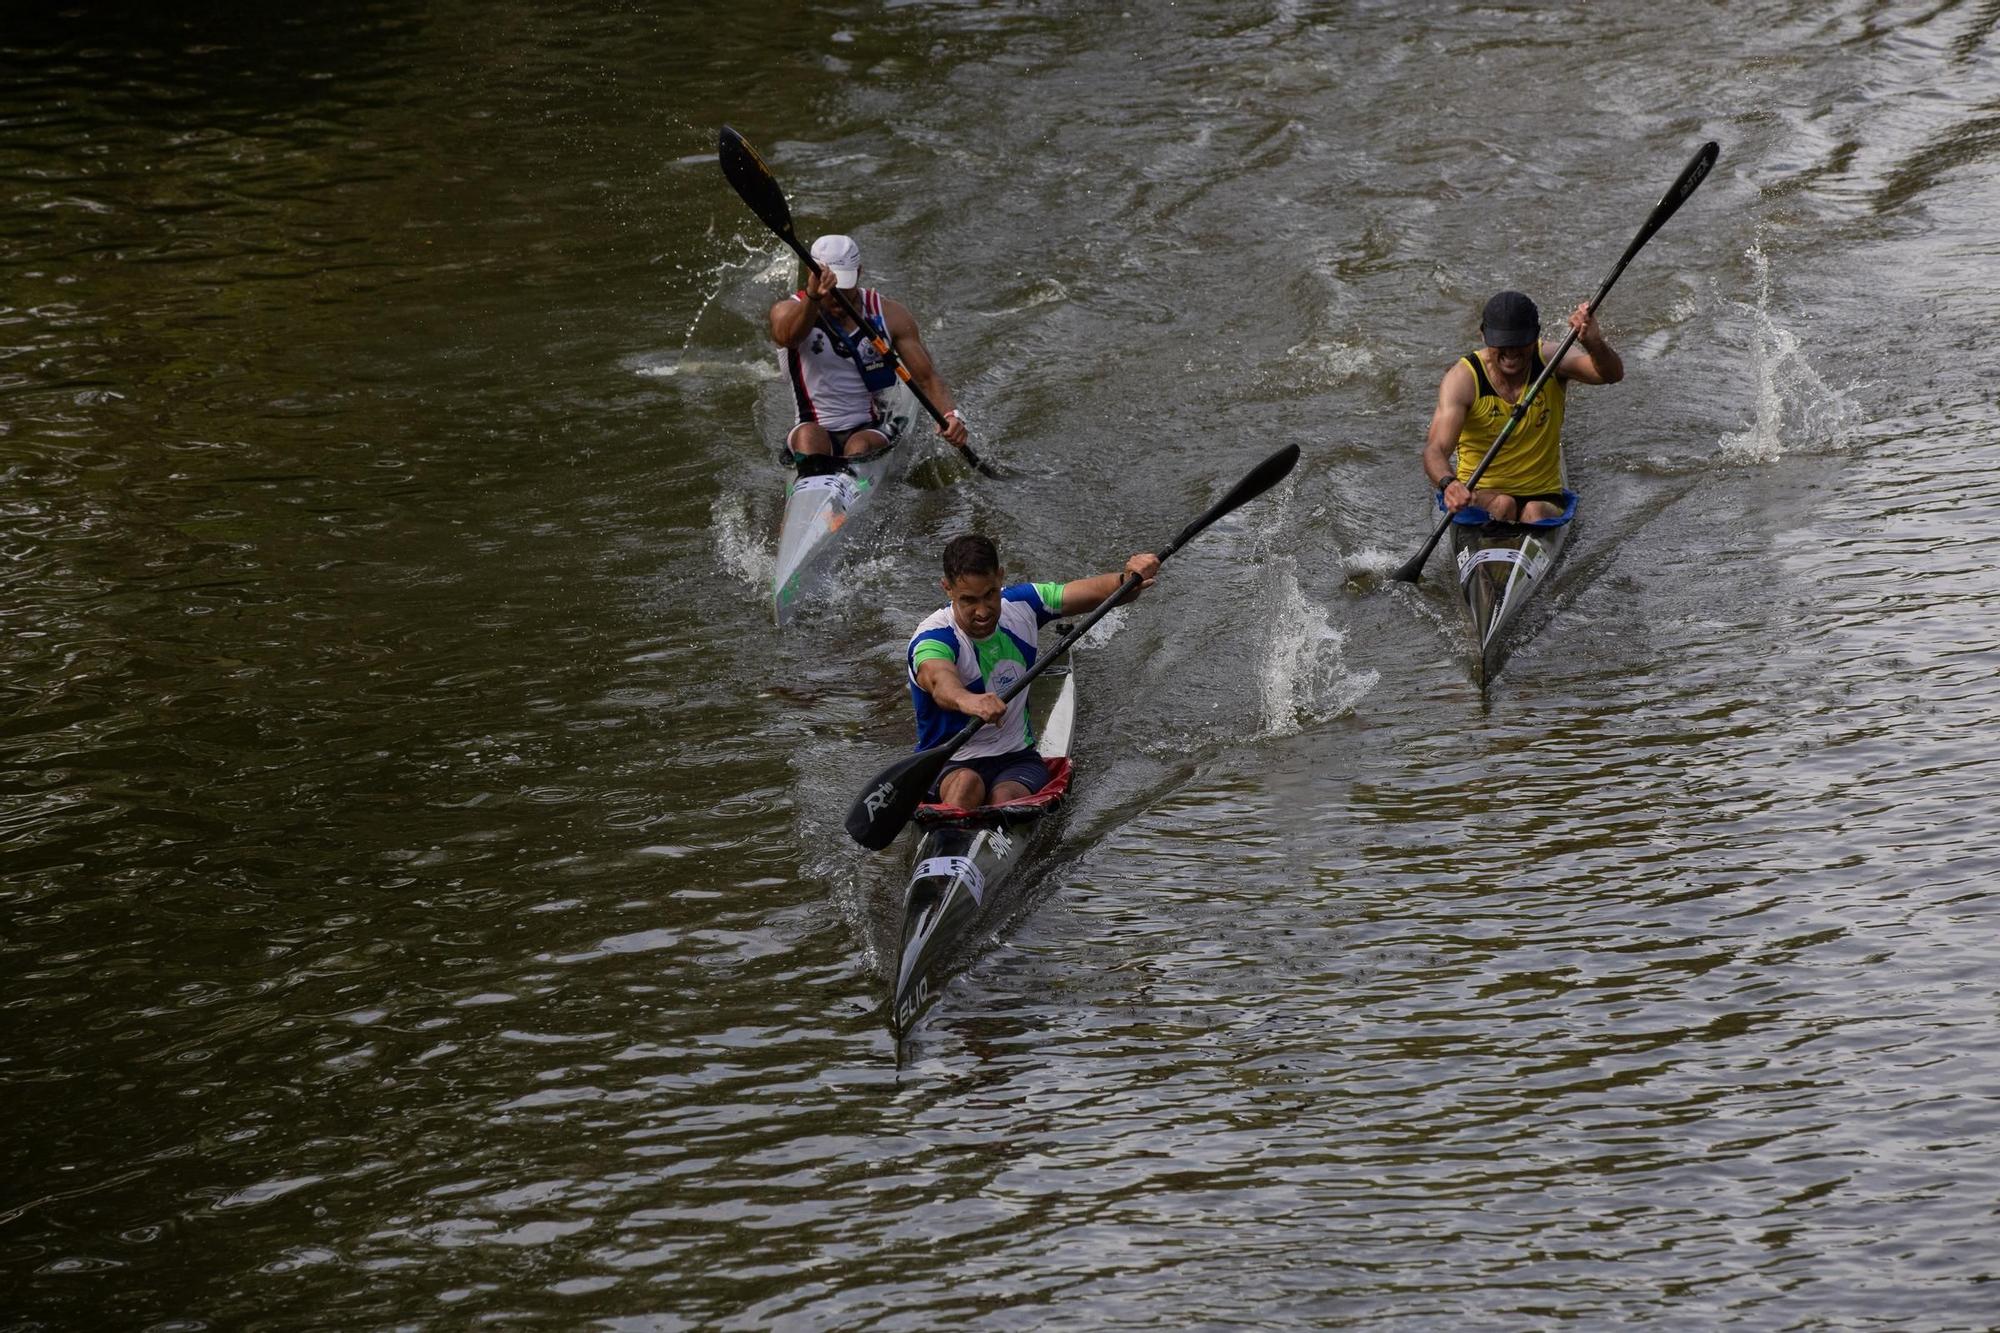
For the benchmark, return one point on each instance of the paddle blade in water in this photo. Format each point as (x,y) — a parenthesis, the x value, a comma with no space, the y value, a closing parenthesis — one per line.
(753,180)
(892,796)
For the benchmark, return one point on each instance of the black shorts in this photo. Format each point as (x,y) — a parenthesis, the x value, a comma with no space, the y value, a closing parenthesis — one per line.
(1023,766)
(839,438)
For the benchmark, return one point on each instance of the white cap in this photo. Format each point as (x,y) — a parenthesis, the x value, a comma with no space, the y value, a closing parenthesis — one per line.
(840,254)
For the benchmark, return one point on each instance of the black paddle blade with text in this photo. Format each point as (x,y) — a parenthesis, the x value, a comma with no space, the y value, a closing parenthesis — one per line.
(753,180)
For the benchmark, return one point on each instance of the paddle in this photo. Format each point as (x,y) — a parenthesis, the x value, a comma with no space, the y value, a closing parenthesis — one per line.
(892,795)
(760,189)
(1691,176)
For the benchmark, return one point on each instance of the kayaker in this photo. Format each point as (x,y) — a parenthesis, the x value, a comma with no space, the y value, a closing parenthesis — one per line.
(834,370)
(964,656)
(1478,394)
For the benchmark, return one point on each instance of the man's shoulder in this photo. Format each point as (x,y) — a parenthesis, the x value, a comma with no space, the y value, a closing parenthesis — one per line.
(1459,377)
(935,625)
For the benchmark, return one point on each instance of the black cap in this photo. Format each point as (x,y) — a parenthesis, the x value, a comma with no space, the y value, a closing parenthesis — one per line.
(1510,320)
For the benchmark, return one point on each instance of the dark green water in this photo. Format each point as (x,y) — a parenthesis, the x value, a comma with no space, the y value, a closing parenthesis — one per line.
(423,896)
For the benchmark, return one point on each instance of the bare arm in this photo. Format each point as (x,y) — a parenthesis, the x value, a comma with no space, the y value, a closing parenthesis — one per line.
(1592,360)
(1455,394)
(916,359)
(939,679)
(1083,595)
(792,319)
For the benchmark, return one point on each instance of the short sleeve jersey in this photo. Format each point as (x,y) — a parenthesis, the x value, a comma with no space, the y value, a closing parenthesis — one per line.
(987,665)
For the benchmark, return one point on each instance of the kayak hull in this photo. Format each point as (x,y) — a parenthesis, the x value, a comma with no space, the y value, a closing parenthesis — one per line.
(965,859)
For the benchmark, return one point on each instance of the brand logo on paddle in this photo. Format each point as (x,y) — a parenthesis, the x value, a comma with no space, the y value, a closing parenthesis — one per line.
(878,800)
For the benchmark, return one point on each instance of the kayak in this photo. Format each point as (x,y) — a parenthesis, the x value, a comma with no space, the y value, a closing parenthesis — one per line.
(819,508)
(965,857)
(1501,566)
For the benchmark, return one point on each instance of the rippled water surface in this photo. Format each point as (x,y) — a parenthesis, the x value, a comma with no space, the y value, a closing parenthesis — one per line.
(424,897)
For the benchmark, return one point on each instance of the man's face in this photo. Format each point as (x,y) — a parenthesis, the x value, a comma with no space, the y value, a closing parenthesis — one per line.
(975,601)
(1512,361)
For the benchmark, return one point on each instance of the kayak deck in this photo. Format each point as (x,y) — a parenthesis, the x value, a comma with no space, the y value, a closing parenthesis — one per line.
(818,509)
(1501,566)
(965,856)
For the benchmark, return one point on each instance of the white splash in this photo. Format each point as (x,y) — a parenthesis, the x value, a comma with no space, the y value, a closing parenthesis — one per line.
(744,553)
(1796,408)
(1303,677)
(1100,633)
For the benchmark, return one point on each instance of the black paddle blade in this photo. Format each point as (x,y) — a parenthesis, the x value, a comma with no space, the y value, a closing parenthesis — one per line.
(1685,184)
(1413,568)
(753,180)
(893,795)
(1261,478)
(1691,177)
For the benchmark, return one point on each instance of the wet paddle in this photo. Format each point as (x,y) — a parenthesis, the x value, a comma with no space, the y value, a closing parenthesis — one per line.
(760,189)
(1691,176)
(893,795)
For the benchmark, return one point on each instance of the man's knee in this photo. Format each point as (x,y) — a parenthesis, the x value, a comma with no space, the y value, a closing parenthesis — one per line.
(963,788)
(1502,508)
(864,442)
(809,437)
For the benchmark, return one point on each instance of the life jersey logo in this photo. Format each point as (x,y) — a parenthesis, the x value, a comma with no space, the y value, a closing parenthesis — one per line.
(1005,676)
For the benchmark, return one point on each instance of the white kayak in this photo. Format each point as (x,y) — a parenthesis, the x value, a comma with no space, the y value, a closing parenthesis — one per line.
(818,509)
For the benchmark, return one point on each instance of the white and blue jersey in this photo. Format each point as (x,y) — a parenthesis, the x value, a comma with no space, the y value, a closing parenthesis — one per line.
(985,666)
(835,374)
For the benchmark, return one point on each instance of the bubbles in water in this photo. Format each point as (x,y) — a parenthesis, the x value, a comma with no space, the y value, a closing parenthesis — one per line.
(1796,408)
(1304,678)
(744,554)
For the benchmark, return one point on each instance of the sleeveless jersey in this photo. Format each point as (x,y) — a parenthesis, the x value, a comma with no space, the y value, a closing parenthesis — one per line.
(985,666)
(1530,463)
(835,375)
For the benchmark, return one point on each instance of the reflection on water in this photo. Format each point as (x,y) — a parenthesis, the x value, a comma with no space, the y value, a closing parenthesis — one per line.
(424,895)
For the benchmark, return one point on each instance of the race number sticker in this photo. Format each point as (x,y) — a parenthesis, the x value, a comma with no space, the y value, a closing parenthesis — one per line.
(954,867)
(1535,558)
(839,486)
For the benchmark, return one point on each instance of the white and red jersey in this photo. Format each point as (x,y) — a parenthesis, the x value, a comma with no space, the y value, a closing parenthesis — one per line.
(834,374)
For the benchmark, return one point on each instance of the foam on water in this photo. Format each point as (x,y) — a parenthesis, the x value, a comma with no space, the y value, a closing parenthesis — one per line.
(668,369)
(1048,291)
(1797,410)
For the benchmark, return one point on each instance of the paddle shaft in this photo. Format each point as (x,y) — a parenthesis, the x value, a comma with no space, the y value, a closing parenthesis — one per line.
(1684,185)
